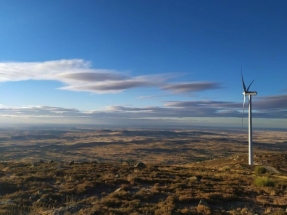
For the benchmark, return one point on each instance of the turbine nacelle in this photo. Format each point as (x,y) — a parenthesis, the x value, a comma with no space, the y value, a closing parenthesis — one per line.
(246,92)
(253,93)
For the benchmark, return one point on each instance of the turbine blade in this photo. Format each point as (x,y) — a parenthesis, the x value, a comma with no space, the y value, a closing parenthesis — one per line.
(250,85)
(244,87)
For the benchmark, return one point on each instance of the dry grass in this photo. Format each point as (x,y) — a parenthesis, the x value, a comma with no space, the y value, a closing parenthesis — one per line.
(164,147)
(183,168)
(111,188)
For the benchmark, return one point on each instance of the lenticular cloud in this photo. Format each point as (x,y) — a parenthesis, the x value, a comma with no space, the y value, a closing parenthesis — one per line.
(75,74)
(48,70)
(78,75)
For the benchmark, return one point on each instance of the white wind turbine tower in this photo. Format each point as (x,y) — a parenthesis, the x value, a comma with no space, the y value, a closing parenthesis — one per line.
(248,93)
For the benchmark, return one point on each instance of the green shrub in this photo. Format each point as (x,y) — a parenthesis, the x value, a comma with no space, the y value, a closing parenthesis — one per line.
(264,182)
(260,170)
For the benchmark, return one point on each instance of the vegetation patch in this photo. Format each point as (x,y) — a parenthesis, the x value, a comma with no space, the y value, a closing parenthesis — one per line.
(260,170)
(264,182)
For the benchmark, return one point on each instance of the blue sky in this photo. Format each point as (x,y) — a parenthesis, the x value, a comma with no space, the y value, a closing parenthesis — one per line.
(142,62)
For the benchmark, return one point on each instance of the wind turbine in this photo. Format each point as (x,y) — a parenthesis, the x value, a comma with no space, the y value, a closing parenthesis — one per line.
(248,93)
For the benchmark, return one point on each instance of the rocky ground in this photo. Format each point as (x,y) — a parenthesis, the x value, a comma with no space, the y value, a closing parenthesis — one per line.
(217,186)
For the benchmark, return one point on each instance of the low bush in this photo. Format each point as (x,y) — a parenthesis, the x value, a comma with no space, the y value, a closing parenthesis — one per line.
(260,170)
(264,182)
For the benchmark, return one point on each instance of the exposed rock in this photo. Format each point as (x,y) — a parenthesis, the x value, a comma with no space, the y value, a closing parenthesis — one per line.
(196,178)
(72,162)
(32,198)
(40,200)
(140,165)
(203,202)
(118,190)
(203,207)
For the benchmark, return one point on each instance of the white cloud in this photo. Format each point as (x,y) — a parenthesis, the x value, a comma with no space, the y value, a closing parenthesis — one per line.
(39,111)
(176,109)
(171,113)
(78,75)
(48,70)
(110,86)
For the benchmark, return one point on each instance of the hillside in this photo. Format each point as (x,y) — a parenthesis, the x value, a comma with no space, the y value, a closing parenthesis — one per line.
(182,172)
(221,186)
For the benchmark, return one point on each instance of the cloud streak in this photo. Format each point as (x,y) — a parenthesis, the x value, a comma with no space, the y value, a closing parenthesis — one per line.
(111,86)
(39,111)
(78,75)
(192,87)
(264,107)
(99,75)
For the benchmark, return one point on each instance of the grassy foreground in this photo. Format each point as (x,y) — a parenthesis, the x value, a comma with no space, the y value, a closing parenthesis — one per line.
(218,186)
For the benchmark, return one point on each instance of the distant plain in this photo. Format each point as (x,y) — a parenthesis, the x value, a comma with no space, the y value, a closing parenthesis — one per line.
(150,146)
